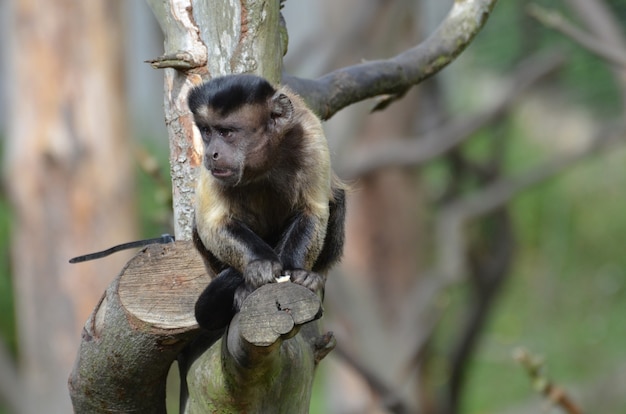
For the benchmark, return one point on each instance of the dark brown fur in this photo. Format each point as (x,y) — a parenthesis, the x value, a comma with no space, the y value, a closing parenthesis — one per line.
(267,202)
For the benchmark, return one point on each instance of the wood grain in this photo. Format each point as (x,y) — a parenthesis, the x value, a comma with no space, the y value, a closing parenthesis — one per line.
(161,284)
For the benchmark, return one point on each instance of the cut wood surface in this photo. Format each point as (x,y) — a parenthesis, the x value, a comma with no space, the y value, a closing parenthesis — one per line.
(277,310)
(161,284)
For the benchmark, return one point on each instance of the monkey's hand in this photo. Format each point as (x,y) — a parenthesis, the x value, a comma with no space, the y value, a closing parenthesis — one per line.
(313,281)
(261,272)
(255,275)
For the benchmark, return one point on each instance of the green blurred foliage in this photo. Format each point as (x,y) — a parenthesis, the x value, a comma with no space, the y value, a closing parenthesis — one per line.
(511,35)
(7,315)
(155,197)
(565,298)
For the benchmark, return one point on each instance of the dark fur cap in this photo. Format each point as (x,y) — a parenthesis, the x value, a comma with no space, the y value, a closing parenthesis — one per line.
(227,93)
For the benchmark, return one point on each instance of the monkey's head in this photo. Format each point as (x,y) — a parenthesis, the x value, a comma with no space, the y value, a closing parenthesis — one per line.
(242,120)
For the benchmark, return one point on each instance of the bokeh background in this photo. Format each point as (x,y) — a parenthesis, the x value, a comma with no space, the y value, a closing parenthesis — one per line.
(510,237)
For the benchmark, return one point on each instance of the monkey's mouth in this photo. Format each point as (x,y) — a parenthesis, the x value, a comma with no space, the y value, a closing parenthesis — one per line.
(222,173)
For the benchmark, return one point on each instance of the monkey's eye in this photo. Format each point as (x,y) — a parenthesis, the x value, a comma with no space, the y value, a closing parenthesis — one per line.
(224,132)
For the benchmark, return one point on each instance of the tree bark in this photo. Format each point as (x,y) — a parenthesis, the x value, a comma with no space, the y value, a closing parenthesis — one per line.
(145,319)
(141,324)
(68,174)
(268,356)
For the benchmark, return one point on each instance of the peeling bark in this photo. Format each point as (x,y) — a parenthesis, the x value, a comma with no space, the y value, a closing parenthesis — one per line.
(205,39)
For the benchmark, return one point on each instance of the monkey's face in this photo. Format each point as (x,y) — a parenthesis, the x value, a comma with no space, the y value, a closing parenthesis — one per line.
(238,146)
(242,120)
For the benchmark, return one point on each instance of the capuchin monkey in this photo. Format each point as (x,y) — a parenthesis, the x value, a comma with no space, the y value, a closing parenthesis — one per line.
(267,202)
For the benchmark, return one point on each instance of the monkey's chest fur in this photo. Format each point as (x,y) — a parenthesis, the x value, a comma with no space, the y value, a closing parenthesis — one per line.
(266,211)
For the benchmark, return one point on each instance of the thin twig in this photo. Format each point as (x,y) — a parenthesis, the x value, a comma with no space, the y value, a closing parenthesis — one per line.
(453,216)
(600,20)
(418,151)
(556,21)
(389,397)
(555,394)
(502,191)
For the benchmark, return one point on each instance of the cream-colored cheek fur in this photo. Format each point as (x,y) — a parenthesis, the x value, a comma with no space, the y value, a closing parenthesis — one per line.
(209,213)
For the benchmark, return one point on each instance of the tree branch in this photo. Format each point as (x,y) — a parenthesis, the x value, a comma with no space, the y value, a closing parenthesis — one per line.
(145,319)
(452,217)
(390,399)
(418,151)
(556,21)
(262,364)
(554,393)
(600,20)
(141,324)
(336,90)
(491,258)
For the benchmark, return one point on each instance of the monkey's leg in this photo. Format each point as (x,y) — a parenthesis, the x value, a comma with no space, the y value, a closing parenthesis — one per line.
(216,305)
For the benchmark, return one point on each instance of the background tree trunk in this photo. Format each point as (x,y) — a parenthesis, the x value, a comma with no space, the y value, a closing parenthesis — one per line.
(384,226)
(68,175)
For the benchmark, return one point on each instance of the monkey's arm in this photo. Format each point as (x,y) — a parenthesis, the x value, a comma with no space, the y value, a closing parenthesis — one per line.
(246,263)
(335,233)
(309,246)
(233,243)
(301,242)
(299,245)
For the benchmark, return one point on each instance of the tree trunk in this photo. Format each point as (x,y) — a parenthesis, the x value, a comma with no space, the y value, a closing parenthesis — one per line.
(140,325)
(384,231)
(205,39)
(68,175)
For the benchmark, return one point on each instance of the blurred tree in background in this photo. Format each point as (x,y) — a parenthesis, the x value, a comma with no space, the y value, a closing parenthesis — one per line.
(446,270)
(68,177)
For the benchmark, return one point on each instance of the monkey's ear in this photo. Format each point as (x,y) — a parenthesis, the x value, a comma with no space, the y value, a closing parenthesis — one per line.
(282,109)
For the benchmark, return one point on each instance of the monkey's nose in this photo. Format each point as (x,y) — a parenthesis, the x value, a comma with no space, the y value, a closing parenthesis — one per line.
(216,155)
